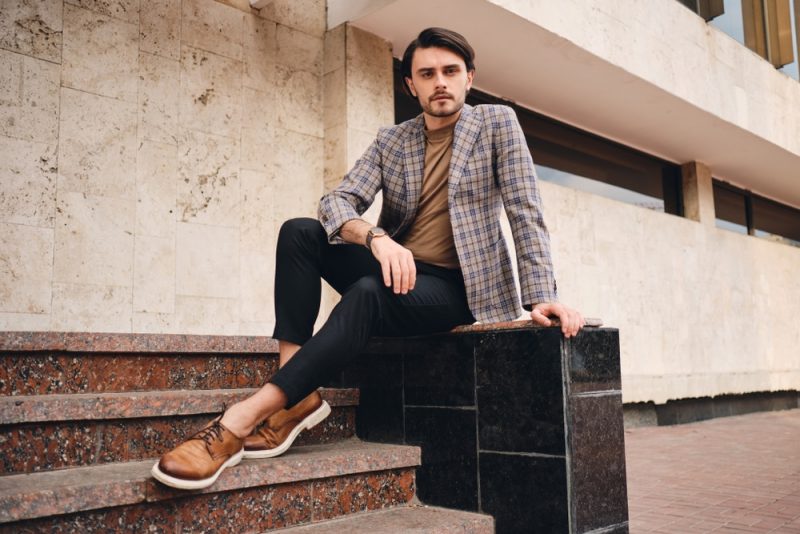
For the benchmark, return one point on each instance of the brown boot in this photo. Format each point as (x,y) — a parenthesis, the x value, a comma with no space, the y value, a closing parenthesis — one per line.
(197,462)
(282,428)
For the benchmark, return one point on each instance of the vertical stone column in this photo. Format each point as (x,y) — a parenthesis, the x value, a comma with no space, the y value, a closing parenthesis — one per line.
(698,194)
(358,98)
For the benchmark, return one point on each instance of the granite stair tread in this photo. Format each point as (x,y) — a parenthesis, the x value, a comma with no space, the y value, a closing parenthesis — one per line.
(48,493)
(411,519)
(136,404)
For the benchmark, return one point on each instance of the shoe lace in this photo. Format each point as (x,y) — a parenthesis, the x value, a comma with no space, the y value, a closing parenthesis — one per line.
(214,431)
(269,435)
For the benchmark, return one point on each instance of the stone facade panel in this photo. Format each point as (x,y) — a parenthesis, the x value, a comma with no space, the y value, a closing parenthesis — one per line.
(158,99)
(28,98)
(32,28)
(97,145)
(28,176)
(100,54)
(93,241)
(160,28)
(26,268)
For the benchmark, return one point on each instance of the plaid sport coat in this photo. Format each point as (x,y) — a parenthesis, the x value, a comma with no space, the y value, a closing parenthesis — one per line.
(490,166)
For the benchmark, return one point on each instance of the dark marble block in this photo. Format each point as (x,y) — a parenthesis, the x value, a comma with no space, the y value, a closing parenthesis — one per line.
(449,455)
(524,493)
(518,422)
(519,391)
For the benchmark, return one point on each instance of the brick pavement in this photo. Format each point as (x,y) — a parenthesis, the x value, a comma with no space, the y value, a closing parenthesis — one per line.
(732,474)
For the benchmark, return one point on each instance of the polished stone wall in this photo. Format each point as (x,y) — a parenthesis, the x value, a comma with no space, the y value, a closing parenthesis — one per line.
(516,422)
(148,152)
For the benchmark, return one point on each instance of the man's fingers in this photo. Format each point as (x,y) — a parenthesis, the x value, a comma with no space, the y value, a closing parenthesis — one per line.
(397,275)
(412,271)
(404,277)
(387,274)
(539,318)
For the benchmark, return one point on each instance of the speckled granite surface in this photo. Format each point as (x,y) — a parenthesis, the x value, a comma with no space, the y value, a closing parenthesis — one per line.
(375,476)
(91,406)
(53,373)
(591,322)
(411,519)
(146,432)
(120,342)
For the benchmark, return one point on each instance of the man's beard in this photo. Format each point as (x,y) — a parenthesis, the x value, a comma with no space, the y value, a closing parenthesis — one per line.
(443,112)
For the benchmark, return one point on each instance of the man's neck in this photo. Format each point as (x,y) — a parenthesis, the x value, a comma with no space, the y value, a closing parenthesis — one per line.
(434,123)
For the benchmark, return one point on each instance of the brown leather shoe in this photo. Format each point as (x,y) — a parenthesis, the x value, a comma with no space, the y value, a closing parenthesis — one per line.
(281,429)
(197,462)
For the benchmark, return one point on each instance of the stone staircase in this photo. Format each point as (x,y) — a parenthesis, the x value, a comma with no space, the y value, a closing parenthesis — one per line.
(83,416)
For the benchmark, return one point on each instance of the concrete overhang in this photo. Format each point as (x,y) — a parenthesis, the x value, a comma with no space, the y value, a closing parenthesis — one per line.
(524,62)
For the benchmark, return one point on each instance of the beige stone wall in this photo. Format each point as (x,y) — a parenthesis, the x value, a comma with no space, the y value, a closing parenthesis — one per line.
(701,311)
(148,151)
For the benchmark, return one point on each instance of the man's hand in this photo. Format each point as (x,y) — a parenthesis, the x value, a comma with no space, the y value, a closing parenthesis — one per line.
(571,320)
(397,264)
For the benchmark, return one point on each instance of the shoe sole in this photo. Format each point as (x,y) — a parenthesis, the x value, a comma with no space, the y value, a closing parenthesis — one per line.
(181,483)
(312,420)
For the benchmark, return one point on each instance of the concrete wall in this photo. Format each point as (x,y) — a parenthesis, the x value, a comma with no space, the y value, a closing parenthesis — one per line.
(701,311)
(148,151)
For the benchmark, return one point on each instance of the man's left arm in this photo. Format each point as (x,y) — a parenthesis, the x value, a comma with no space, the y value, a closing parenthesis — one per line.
(516,178)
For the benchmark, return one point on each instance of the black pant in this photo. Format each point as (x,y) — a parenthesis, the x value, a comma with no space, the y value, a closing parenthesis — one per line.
(437,303)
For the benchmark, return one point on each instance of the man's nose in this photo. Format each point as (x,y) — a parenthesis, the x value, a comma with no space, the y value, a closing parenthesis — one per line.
(441,81)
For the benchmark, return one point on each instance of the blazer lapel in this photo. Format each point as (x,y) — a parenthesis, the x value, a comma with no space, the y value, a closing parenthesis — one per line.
(464,137)
(414,161)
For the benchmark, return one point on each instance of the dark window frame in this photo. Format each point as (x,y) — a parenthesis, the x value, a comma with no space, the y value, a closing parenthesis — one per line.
(752,202)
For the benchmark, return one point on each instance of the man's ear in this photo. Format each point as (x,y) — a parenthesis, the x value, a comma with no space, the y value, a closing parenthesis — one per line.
(470,76)
(410,86)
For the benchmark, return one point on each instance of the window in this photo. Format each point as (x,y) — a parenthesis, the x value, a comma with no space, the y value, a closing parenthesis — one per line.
(767,27)
(574,158)
(742,211)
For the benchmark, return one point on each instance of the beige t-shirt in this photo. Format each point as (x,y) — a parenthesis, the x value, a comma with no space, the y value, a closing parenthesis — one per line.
(430,237)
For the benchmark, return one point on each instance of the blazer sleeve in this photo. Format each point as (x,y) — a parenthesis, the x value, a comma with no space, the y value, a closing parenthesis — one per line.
(351,198)
(516,178)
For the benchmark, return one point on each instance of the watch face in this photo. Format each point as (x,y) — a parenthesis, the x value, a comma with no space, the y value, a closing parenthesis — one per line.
(377,231)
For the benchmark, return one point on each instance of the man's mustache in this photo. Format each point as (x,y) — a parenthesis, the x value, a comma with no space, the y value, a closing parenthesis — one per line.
(436,96)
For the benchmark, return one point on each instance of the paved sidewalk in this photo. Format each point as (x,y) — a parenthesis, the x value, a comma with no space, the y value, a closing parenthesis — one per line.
(732,474)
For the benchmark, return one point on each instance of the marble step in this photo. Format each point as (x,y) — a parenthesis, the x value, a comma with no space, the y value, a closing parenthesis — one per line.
(40,363)
(411,519)
(46,432)
(307,484)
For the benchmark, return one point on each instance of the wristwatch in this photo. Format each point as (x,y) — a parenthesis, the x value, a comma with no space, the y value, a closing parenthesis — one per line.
(375,231)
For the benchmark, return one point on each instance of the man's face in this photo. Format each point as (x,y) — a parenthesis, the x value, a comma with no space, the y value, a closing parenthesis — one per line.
(439,80)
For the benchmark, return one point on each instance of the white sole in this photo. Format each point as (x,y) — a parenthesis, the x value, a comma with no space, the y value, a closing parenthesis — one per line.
(181,483)
(312,420)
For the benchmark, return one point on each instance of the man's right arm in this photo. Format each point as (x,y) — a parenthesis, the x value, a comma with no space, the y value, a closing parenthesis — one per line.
(397,262)
(339,213)
(352,196)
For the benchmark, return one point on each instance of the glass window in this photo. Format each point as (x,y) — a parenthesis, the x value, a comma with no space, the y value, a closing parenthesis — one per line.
(589,185)
(730,21)
(776,221)
(791,69)
(730,206)
(742,211)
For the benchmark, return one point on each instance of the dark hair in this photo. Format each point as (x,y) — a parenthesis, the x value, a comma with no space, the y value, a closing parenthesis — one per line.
(437,37)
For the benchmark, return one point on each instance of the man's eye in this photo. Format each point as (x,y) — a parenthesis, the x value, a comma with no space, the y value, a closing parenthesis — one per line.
(426,74)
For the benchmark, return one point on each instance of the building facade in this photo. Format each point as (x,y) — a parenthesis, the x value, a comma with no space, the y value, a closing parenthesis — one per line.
(152,148)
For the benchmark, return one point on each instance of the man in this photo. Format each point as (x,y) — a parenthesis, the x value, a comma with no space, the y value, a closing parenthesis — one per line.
(437,260)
